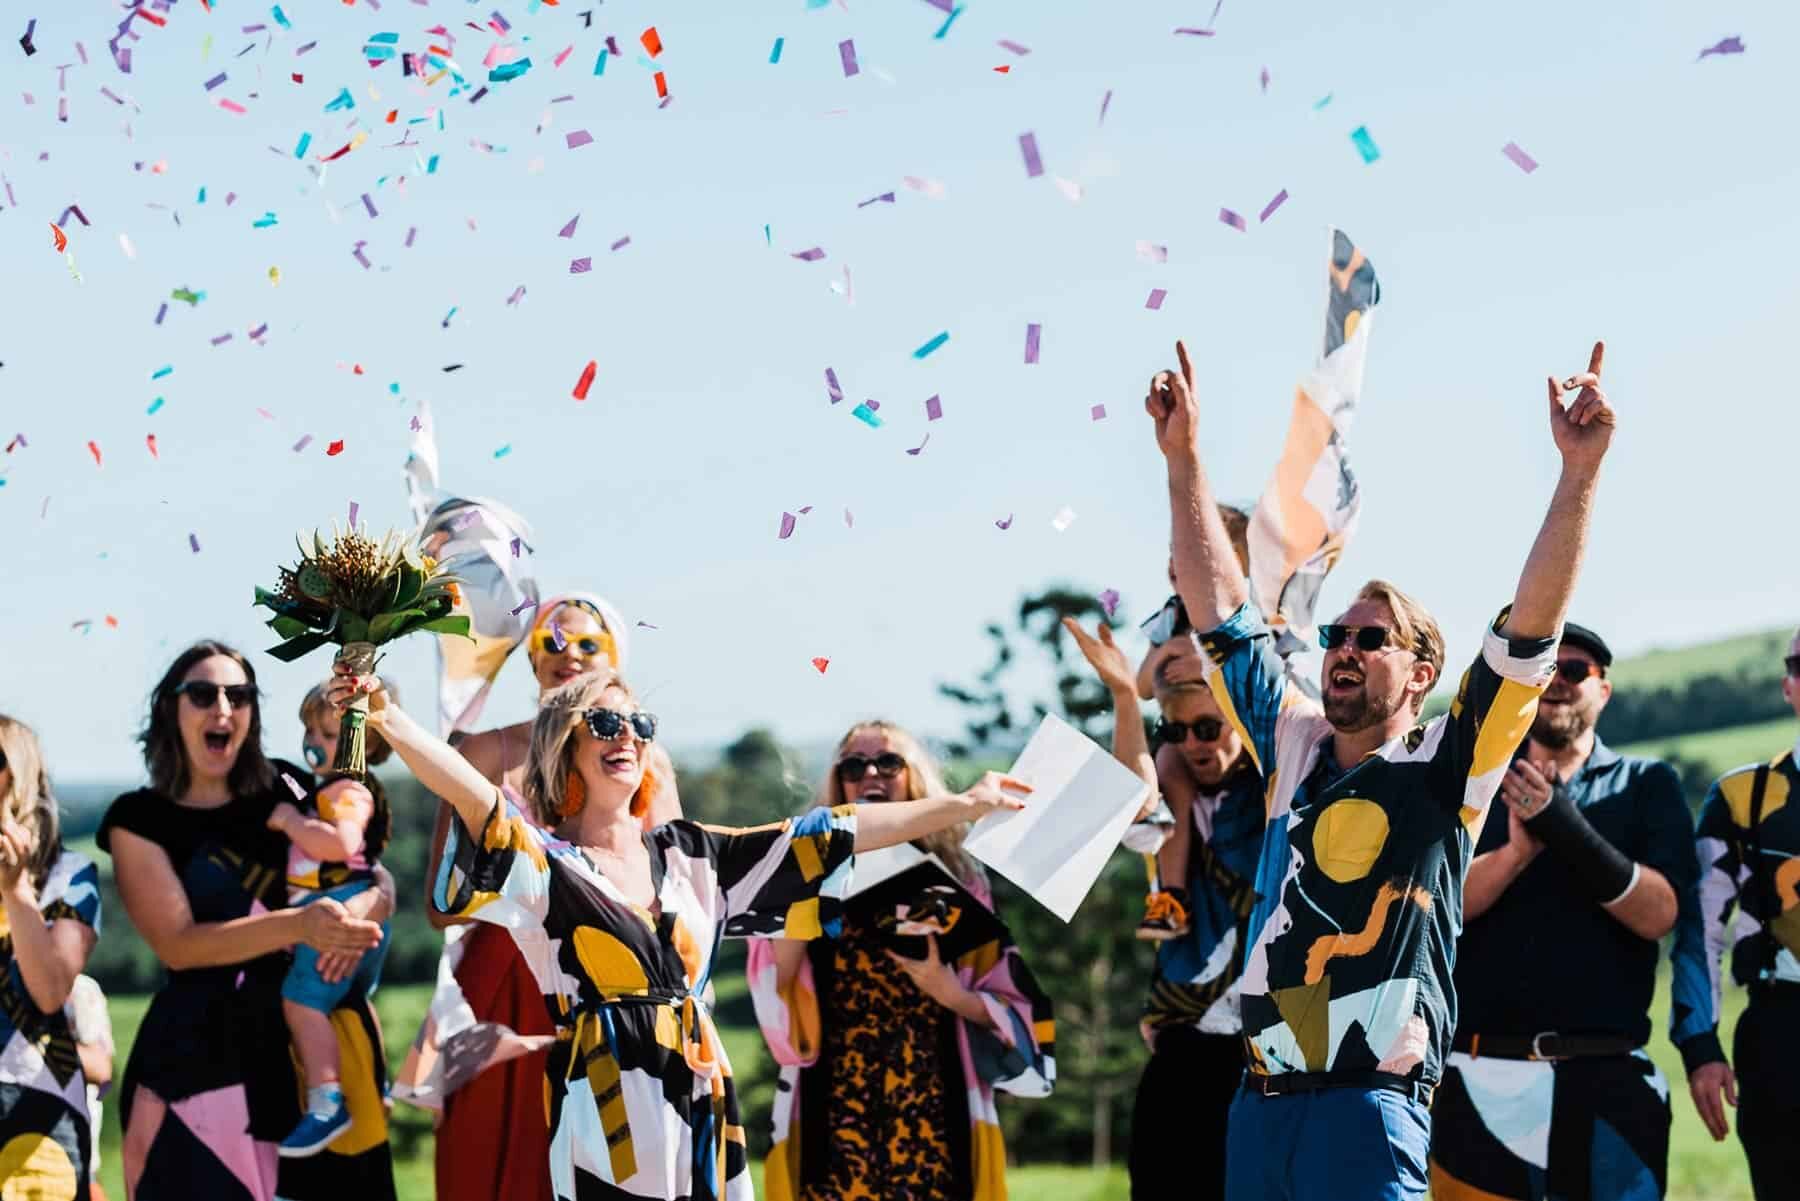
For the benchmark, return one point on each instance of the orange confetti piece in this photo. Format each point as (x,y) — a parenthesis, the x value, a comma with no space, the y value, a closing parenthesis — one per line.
(821,664)
(662,86)
(1007,70)
(62,239)
(94,449)
(392,114)
(112,622)
(652,43)
(150,441)
(336,448)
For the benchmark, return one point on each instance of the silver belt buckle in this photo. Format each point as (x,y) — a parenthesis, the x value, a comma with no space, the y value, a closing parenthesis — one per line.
(1537,1051)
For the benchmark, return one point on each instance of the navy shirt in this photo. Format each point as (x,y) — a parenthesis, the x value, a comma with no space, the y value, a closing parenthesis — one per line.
(1546,958)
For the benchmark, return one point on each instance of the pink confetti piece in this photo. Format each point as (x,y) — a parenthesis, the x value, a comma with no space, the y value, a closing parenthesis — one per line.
(1232,219)
(577,137)
(1028,147)
(304,442)
(568,231)
(94,449)
(1005,524)
(562,58)
(1520,159)
(621,244)
(916,450)
(927,187)
(265,414)
(1156,298)
(934,408)
(414,425)
(1033,331)
(581,266)
(1008,44)
(1109,602)
(518,294)
(1097,413)
(847,54)
(812,255)
(1268,210)
(832,388)
(232,106)
(787,525)
(849,521)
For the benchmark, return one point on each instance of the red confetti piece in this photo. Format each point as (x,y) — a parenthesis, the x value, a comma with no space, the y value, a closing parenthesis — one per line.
(62,239)
(392,114)
(335,448)
(94,450)
(652,43)
(1002,70)
(150,441)
(662,86)
(586,381)
(821,664)
(112,623)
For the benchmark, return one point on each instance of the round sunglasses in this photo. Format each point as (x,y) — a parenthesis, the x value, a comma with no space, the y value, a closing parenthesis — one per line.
(852,768)
(204,694)
(1365,638)
(607,724)
(587,646)
(1206,729)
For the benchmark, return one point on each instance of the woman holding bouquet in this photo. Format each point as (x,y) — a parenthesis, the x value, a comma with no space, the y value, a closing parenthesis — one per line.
(492,1140)
(209,1088)
(889,1065)
(619,925)
(49,922)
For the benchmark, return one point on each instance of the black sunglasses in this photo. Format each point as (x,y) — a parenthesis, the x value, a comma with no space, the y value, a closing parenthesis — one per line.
(204,694)
(609,723)
(852,768)
(1367,638)
(1574,671)
(1207,729)
(2,760)
(1793,665)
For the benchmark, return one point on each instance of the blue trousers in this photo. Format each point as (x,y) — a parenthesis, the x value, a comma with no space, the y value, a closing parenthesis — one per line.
(1340,1144)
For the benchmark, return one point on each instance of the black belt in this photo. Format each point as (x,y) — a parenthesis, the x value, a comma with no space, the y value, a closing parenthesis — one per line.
(1543,1046)
(1287,1083)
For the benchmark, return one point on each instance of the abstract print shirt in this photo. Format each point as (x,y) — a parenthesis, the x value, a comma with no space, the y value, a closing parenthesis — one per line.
(1352,938)
(1754,871)
(39,1048)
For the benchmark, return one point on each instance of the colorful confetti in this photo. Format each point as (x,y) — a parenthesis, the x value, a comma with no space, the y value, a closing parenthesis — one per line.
(931,345)
(1033,331)
(821,664)
(847,55)
(581,266)
(503,451)
(1365,145)
(788,521)
(1156,298)
(577,137)
(587,380)
(1109,602)
(1004,523)
(150,441)
(568,231)
(934,408)
(832,389)
(1028,147)
(1734,45)
(194,543)
(1065,517)
(1520,159)
(1150,252)
(94,449)
(811,255)
(1232,219)
(866,414)
(1098,413)
(1268,210)
(334,449)
(305,441)
(915,451)
(775,54)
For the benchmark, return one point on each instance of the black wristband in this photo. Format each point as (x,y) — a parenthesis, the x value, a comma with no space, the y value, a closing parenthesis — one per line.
(1702,1049)
(1601,869)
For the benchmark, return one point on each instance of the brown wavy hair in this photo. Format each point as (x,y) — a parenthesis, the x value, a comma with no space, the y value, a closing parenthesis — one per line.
(28,799)
(164,755)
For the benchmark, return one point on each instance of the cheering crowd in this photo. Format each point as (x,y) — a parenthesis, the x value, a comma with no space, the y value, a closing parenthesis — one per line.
(1370,981)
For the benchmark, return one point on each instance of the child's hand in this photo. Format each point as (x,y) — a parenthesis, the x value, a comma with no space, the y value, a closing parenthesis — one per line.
(345,797)
(280,816)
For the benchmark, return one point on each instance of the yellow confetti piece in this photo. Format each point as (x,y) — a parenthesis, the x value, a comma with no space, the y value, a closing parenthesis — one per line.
(362,135)
(275,276)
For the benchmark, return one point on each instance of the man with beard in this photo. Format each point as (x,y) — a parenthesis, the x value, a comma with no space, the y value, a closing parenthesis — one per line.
(1347,1000)
(1749,847)
(1548,1091)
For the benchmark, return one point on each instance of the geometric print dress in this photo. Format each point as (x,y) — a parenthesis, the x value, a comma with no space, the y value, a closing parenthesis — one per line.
(45,1138)
(639,1095)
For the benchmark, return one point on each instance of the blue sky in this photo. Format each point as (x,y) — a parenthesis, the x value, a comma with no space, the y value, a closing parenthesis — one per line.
(1662,218)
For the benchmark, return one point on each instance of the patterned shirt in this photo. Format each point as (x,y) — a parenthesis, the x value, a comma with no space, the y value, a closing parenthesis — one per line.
(1758,875)
(1359,887)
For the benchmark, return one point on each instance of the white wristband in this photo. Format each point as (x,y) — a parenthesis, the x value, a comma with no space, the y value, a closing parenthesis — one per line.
(1637,871)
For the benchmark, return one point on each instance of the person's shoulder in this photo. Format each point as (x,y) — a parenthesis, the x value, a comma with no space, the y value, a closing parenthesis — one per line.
(139,812)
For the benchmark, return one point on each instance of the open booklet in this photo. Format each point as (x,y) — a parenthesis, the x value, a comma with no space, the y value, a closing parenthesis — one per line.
(907,894)
(1081,801)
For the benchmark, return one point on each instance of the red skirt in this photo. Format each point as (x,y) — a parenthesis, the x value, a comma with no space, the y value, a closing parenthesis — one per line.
(494,1140)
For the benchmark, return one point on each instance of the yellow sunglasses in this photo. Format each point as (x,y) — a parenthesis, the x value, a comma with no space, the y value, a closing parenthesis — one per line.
(551,642)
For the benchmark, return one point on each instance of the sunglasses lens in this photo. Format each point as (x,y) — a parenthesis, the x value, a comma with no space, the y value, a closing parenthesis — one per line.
(852,768)
(1793,665)
(1207,729)
(1371,638)
(589,647)
(1332,636)
(202,695)
(644,725)
(240,695)
(889,764)
(604,723)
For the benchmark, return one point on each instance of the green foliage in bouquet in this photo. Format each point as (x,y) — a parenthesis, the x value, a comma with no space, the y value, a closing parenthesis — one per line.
(357,594)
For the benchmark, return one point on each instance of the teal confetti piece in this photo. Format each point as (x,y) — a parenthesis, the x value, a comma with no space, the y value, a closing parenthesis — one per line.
(394,387)
(815,5)
(305,141)
(264,221)
(767,237)
(931,345)
(775,54)
(201,199)
(384,39)
(600,63)
(440,120)
(162,371)
(506,71)
(1365,145)
(281,17)
(503,451)
(866,415)
(154,405)
(1322,102)
(343,100)
(948,21)
(431,165)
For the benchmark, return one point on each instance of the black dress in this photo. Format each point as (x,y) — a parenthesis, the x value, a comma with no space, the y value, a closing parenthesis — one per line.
(211,1074)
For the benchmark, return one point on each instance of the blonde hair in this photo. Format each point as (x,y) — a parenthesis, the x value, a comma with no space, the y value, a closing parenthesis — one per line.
(28,801)
(549,763)
(1414,628)
(924,778)
(315,710)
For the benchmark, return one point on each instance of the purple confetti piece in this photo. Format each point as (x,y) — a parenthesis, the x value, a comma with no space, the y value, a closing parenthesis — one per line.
(122,56)
(516,543)
(79,216)
(831,386)
(1191,31)
(1034,166)
(259,331)
(849,521)
(25,42)
(370,205)
(577,137)
(612,47)
(415,426)
(524,605)
(222,338)
(621,244)
(1006,524)
(1008,44)
(884,198)
(581,266)
(410,235)
(1726,46)
(1109,602)
(162,310)
(229,198)
(787,525)
(353,508)
(357,253)
(916,450)
(304,442)
(500,21)
(215,81)
(568,231)
(111,95)
(1232,219)
(1269,208)
(518,294)
(805,509)
(1032,333)
(1098,412)
(1105,103)
(1156,298)
(482,91)
(934,408)
(305,48)
(808,256)
(1520,159)
(872,406)
(847,53)
(1265,80)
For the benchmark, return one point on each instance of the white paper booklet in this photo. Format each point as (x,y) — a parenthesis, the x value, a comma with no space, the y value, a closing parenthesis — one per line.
(1081,801)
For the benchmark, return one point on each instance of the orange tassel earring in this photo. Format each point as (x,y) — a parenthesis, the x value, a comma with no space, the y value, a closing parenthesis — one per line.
(646,793)
(574,796)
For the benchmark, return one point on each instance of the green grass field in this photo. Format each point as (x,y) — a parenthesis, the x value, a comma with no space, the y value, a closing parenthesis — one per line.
(1699,1169)
(1727,748)
(1760,651)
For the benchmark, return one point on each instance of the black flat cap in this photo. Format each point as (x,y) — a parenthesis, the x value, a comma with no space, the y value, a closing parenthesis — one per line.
(1587,640)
